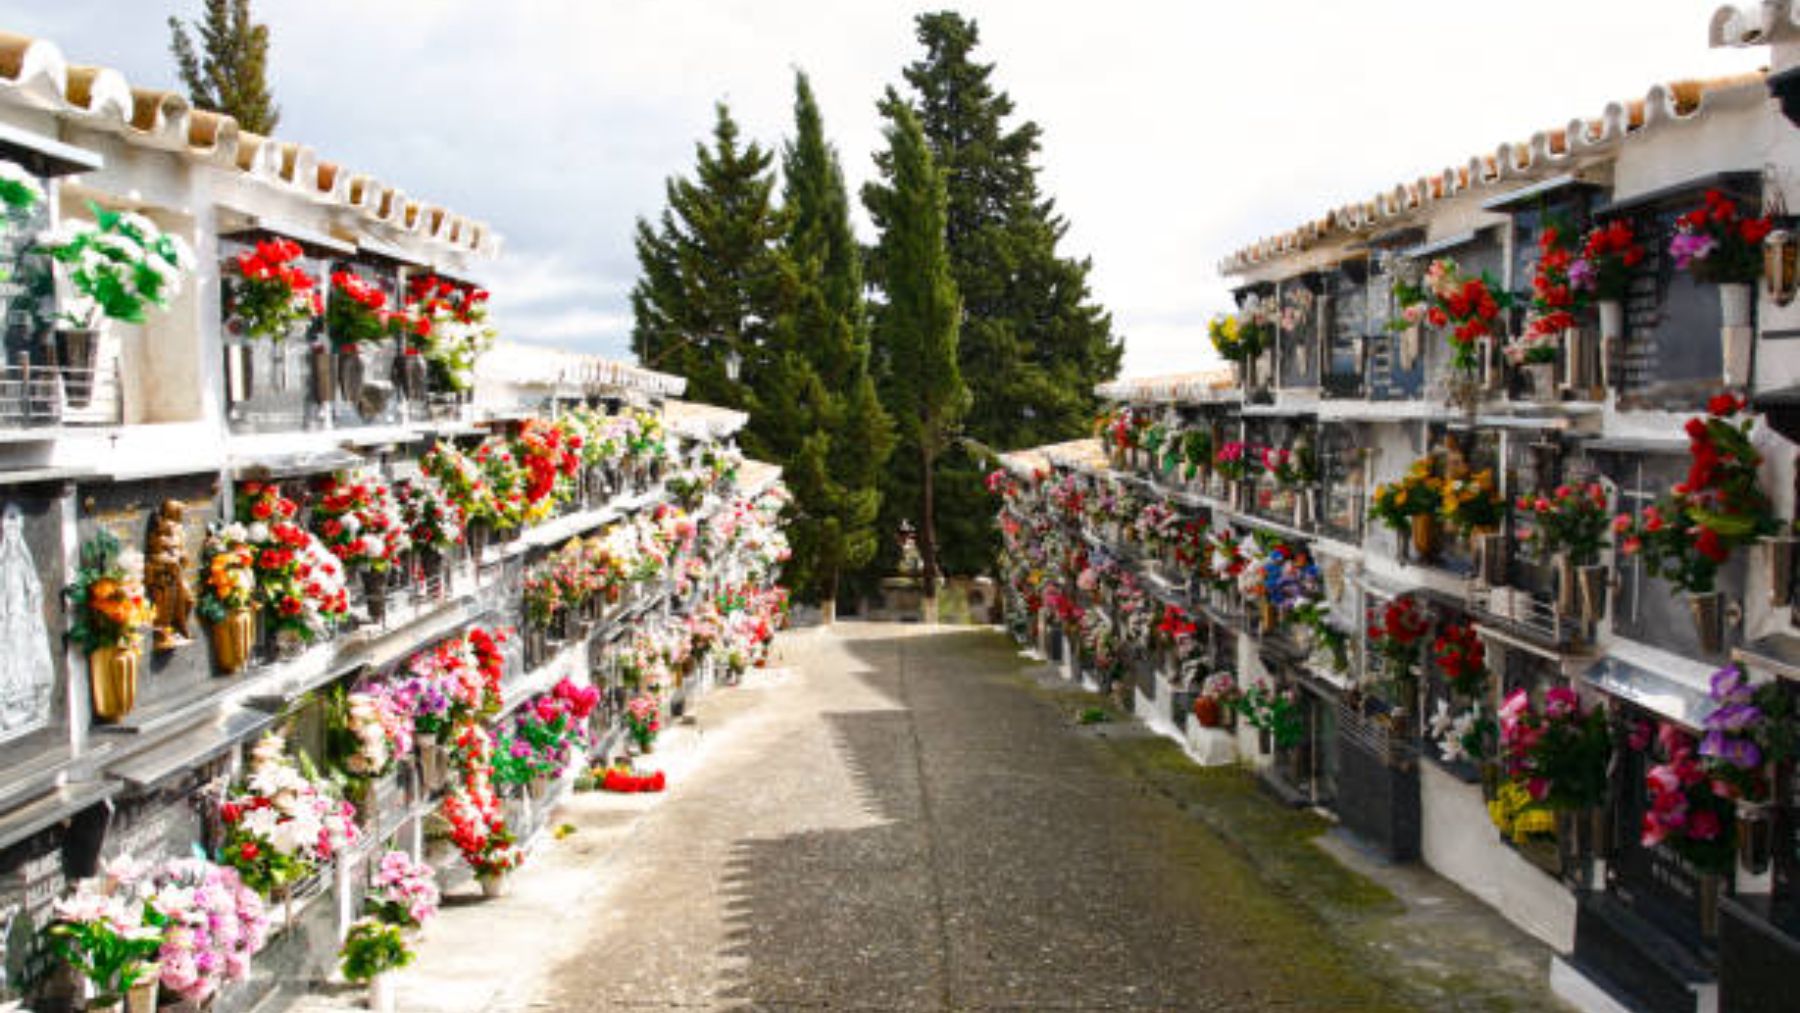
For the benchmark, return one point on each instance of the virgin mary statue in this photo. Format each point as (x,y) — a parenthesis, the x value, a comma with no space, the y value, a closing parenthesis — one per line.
(27,674)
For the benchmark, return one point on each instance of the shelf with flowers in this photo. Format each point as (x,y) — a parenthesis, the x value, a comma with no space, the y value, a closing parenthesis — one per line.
(1685,537)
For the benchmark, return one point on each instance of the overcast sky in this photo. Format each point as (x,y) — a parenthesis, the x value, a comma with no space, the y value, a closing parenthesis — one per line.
(1174,132)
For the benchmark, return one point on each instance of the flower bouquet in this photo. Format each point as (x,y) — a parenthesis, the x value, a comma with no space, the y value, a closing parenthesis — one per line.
(1273,712)
(1691,811)
(108,611)
(1446,298)
(452,328)
(120,264)
(401,891)
(283,824)
(1719,243)
(360,522)
(431,519)
(108,933)
(228,598)
(1686,536)
(357,313)
(1461,658)
(268,294)
(213,926)
(369,730)
(1558,754)
(1556,302)
(643,720)
(1396,633)
(299,582)
(1411,503)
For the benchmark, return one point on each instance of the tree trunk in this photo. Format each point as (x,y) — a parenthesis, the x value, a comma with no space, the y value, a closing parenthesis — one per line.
(928,526)
(828,599)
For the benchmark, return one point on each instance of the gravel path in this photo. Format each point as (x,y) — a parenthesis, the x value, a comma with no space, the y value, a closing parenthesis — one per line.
(900,819)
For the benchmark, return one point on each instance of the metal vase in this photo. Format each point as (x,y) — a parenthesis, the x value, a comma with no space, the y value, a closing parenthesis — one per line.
(375,595)
(1424,537)
(409,374)
(1591,581)
(1580,370)
(77,352)
(1568,598)
(476,535)
(350,370)
(240,374)
(1711,884)
(1781,567)
(1541,377)
(1755,837)
(113,679)
(1735,333)
(1709,620)
(319,355)
(1490,558)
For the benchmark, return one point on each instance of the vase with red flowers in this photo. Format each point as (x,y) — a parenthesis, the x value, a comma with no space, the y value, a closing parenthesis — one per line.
(1685,537)
(1721,245)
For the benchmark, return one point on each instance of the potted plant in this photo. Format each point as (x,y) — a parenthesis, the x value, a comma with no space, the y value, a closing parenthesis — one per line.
(1722,246)
(108,610)
(1687,535)
(107,932)
(1568,527)
(1218,696)
(1552,320)
(227,599)
(1609,255)
(214,926)
(120,264)
(373,950)
(269,296)
(643,721)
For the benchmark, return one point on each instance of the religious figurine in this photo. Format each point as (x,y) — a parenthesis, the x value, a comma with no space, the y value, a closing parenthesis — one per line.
(27,674)
(165,576)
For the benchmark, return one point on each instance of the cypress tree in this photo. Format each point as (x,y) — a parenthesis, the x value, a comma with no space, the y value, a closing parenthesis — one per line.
(916,323)
(824,394)
(1033,343)
(227,72)
(711,279)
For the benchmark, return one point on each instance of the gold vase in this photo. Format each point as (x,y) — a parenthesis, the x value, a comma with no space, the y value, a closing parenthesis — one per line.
(232,638)
(1424,536)
(113,676)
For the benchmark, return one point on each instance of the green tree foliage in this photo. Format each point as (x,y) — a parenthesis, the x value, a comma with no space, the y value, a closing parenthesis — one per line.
(1034,344)
(916,323)
(227,72)
(816,411)
(710,274)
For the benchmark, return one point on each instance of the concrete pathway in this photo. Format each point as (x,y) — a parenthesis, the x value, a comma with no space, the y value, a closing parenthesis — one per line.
(901,818)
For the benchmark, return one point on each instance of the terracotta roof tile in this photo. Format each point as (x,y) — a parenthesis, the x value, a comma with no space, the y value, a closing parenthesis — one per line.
(34,72)
(1544,153)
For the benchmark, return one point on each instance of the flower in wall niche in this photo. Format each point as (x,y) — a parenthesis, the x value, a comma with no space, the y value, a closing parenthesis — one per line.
(359,520)
(1749,732)
(120,265)
(1558,753)
(1718,242)
(1685,537)
(1609,254)
(356,312)
(283,823)
(1690,811)
(214,925)
(1459,732)
(268,294)
(1555,298)
(1467,307)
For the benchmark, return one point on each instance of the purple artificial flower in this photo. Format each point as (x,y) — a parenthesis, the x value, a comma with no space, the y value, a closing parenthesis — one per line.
(1582,275)
(1688,247)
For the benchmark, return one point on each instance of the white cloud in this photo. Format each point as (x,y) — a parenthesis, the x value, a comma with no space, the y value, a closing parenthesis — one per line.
(1174,132)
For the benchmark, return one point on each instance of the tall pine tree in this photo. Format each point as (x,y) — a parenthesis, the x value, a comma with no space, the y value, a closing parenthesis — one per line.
(711,280)
(227,72)
(822,392)
(1034,344)
(916,324)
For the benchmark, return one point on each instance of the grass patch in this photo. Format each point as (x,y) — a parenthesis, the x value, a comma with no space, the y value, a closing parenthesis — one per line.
(1094,716)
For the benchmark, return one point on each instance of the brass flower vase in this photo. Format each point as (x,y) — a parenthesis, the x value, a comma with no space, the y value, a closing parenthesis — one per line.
(113,678)
(232,639)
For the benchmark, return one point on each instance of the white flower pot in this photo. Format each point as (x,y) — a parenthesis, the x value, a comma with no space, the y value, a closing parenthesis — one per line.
(1735,333)
(384,996)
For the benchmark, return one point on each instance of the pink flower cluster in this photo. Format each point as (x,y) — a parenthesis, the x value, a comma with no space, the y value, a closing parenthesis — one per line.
(1673,785)
(403,892)
(216,924)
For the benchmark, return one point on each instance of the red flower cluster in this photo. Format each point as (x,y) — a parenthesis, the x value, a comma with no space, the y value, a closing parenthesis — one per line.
(1402,621)
(1615,239)
(353,287)
(1175,624)
(1719,214)
(1472,310)
(618,780)
(1462,658)
(273,262)
(428,295)
(490,659)
(548,452)
(1553,299)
